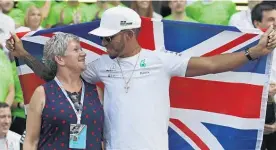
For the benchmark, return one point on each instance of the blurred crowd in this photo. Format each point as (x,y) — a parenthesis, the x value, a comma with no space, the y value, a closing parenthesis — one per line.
(25,16)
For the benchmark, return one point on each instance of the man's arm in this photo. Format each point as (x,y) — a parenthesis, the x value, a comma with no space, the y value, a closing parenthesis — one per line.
(38,67)
(215,64)
(15,46)
(226,62)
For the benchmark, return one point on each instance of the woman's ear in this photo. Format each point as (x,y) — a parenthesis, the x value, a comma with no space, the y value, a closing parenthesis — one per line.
(59,60)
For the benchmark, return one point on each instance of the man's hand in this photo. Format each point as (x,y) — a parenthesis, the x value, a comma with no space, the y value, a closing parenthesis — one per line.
(266,44)
(268,129)
(15,46)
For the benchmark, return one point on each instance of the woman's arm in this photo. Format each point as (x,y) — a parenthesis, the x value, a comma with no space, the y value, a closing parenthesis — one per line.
(34,113)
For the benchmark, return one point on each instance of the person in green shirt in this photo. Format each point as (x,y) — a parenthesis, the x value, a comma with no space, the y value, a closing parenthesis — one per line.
(212,12)
(7,82)
(11,92)
(115,3)
(178,12)
(98,8)
(74,12)
(44,7)
(70,12)
(54,14)
(18,109)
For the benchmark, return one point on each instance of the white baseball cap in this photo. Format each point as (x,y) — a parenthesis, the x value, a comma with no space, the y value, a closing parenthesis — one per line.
(115,20)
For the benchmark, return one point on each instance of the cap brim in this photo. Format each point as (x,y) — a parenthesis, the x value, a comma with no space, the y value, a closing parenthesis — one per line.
(103,32)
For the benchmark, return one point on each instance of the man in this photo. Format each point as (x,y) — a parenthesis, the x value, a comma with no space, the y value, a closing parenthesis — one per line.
(136,97)
(242,19)
(178,11)
(8,139)
(263,16)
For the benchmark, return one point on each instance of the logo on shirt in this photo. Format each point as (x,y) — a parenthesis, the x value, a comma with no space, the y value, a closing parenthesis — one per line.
(112,68)
(144,72)
(143,63)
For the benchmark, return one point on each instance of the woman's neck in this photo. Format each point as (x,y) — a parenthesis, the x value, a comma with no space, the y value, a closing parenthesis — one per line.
(33,28)
(178,16)
(70,81)
(143,12)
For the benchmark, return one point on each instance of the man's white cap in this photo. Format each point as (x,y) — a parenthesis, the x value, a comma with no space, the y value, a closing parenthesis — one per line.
(115,20)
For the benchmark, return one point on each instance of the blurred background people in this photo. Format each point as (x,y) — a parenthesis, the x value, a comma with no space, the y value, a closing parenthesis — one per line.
(178,11)
(243,19)
(263,16)
(8,139)
(211,11)
(269,137)
(32,20)
(145,9)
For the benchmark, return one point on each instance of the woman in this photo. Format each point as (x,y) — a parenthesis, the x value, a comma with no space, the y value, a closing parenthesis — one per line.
(32,20)
(269,137)
(145,9)
(54,112)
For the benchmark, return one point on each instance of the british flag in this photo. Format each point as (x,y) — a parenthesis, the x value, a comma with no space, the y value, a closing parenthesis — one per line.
(216,111)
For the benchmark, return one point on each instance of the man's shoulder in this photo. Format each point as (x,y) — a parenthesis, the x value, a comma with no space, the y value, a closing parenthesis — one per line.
(13,136)
(240,14)
(7,19)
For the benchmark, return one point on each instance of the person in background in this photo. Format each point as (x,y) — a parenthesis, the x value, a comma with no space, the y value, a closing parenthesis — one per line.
(263,15)
(16,14)
(6,83)
(115,3)
(269,137)
(32,20)
(145,9)
(178,11)
(97,9)
(54,14)
(74,12)
(43,6)
(242,19)
(10,88)
(8,139)
(65,101)
(211,11)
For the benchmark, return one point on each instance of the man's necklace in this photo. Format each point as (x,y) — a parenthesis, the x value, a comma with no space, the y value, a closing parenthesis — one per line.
(126,87)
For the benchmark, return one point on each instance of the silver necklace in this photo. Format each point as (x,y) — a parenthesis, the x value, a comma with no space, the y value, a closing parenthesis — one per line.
(126,87)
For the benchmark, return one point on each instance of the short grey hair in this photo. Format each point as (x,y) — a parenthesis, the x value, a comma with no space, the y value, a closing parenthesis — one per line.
(56,46)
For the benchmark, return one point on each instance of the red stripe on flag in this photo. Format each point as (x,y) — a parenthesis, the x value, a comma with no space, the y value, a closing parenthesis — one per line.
(237,99)
(92,48)
(48,35)
(190,134)
(146,35)
(230,45)
(29,82)
(21,34)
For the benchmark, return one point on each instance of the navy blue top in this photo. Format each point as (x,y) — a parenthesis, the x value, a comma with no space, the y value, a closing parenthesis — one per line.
(58,114)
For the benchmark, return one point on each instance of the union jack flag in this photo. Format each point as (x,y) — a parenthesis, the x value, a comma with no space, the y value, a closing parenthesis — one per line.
(216,111)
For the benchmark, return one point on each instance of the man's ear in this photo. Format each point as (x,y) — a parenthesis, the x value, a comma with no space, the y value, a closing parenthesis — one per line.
(256,23)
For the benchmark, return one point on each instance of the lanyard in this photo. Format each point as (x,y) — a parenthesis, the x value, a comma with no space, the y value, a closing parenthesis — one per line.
(78,113)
